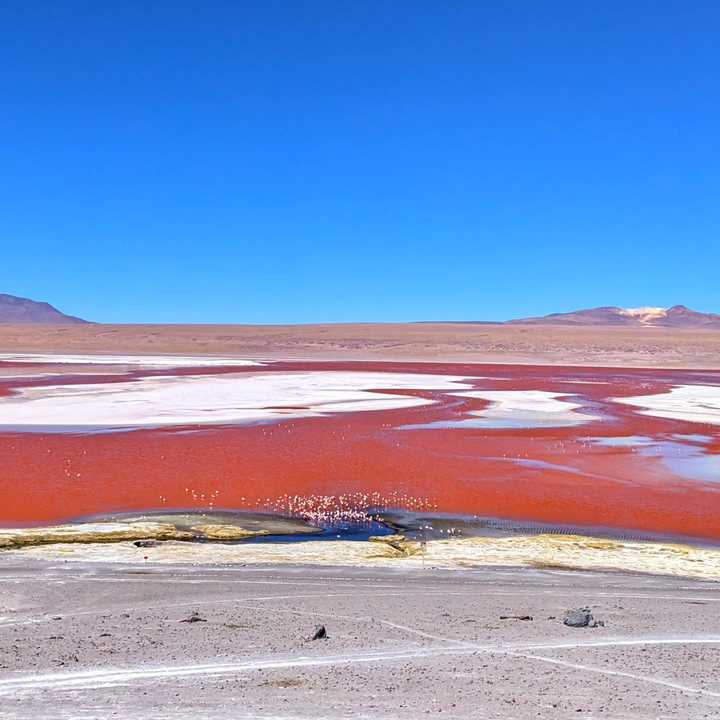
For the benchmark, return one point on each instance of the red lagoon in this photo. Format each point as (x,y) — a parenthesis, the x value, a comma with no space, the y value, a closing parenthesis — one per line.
(622,469)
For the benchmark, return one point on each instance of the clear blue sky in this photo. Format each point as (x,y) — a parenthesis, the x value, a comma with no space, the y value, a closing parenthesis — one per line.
(281,161)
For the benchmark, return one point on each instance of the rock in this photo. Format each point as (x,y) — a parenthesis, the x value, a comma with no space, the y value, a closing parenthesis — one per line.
(577,618)
(320,633)
(147,543)
(516,617)
(194,617)
(582,617)
(94,532)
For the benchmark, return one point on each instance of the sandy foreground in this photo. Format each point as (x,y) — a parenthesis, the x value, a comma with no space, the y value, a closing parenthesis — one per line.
(101,640)
(447,342)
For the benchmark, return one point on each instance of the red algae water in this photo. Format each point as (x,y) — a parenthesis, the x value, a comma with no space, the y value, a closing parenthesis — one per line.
(621,469)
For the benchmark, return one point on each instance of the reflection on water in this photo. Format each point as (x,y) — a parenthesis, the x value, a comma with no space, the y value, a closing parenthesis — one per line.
(705,439)
(438,526)
(524,421)
(687,459)
(201,523)
(627,441)
(357,531)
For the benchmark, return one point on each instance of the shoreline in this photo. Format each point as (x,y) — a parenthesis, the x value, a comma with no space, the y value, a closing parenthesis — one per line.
(541,551)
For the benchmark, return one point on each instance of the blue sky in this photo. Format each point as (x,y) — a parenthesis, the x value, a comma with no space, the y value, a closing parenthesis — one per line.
(278,161)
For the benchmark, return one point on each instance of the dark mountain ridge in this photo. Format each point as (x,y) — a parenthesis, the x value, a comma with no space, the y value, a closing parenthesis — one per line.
(21,311)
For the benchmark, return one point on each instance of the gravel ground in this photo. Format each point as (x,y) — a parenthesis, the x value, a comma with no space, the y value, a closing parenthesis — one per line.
(84,640)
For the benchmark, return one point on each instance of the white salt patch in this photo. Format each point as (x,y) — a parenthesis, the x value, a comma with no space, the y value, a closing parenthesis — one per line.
(694,403)
(527,408)
(516,409)
(148,361)
(214,399)
(624,441)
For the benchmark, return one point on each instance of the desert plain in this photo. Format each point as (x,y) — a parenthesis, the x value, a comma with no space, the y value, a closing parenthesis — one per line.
(421,342)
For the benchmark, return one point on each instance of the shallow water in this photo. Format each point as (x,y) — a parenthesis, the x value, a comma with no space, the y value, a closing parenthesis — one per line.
(685,455)
(623,469)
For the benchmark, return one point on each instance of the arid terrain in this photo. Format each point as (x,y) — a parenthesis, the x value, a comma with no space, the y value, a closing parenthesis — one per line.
(447,342)
(82,640)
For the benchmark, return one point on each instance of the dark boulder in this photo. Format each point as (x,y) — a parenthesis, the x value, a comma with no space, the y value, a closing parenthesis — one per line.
(320,633)
(581,617)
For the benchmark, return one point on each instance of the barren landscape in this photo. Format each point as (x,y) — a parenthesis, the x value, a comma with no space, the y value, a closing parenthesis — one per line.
(190,642)
(448,342)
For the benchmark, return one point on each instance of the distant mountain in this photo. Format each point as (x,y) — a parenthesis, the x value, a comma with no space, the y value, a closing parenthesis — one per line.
(677,316)
(17,310)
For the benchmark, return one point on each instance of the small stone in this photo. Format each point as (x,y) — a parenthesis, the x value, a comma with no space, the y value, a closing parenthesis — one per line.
(320,633)
(581,617)
(193,618)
